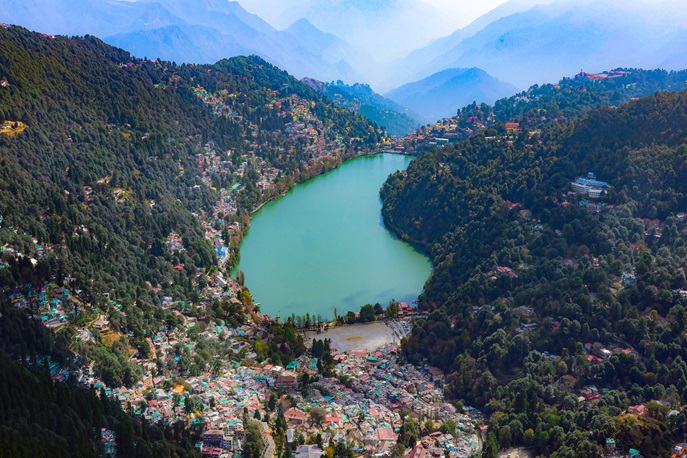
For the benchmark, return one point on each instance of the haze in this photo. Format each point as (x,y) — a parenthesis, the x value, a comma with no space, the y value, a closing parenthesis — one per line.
(386,30)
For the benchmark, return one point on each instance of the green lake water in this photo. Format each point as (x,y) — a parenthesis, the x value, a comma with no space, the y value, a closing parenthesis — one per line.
(324,246)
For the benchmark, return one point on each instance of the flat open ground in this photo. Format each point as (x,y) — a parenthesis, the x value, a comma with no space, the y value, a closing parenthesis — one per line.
(519,452)
(356,337)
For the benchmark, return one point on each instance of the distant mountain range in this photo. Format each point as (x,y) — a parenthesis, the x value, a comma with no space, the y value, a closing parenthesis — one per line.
(524,44)
(442,94)
(360,98)
(203,31)
(521,42)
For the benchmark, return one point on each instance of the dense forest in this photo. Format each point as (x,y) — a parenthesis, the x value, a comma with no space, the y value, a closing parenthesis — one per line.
(113,171)
(553,312)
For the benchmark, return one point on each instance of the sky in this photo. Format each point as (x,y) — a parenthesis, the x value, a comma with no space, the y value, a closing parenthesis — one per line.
(385,22)
(470,9)
(281,13)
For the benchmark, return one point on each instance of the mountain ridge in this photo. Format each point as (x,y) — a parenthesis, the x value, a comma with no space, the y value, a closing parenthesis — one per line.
(205,33)
(439,95)
(360,98)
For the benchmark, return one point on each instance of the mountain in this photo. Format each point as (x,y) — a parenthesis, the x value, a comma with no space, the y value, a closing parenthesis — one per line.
(546,104)
(442,94)
(198,32)
(562,37)
(124,177)
(360,98)
(329,46)
(377,28)
(547,304)
(415,65)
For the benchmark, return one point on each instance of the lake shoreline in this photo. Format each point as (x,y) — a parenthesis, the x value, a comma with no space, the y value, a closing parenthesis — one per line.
(324,247)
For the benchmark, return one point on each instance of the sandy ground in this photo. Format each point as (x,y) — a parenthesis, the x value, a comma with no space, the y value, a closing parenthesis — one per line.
(356,337)
(520,452)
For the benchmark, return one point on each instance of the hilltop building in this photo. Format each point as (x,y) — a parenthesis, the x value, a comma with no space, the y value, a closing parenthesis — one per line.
(589,186)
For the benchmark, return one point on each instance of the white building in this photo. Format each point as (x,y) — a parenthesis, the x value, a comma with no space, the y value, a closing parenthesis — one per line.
(589,187)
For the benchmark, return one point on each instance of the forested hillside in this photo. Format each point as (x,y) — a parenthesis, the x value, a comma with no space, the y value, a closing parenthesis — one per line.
(360,98)
(41,418)
(107,165)
(125,187)
(545,104)
(563,317)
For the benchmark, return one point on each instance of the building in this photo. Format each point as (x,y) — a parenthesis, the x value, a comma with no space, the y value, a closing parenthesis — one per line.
(219,438)
(294,416)
(287,381)
(212,452)
(589,187)
(610,445)
(436,374)
(309,451)
(213,437)
(386,435)
(418,452)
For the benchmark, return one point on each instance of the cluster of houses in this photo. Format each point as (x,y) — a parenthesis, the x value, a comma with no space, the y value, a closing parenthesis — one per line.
(49,303)
(440,133)
(367,413)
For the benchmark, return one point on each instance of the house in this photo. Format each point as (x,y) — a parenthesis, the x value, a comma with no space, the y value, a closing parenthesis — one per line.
(639,409)
(628,279)
(386,435)
(436,374)
(418,452)
(610,445)
(294,416)
(309,451)
(286,380)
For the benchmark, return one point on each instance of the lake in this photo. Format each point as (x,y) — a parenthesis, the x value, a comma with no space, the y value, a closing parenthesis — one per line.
(324,246)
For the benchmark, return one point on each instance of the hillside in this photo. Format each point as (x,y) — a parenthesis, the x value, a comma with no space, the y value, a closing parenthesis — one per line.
(125,180)
(440,95)
(554,312)
(360,98)
(39,417)
(546,104)
(200,32)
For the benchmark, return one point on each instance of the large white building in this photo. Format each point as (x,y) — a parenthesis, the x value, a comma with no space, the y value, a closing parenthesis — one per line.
(589,186)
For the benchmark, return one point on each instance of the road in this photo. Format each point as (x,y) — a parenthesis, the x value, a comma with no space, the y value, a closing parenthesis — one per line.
(268,452)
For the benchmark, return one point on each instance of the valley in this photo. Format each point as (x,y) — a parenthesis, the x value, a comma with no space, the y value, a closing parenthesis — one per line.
(204,256)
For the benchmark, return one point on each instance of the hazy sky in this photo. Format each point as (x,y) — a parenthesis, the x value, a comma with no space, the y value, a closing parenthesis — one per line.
(387,29)
(471,9)
(281,13)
